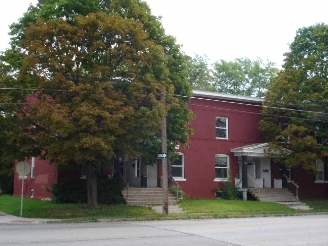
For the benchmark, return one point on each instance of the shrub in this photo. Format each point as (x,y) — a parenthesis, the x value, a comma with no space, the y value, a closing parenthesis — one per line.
(7,179)
(177,191)
(229,191)
(75,191)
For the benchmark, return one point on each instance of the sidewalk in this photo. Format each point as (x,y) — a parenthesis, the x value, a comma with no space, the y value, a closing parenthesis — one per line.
(11,219)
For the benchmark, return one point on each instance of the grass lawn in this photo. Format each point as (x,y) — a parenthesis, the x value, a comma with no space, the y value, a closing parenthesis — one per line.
(232,208)
(46,209)
(192,209)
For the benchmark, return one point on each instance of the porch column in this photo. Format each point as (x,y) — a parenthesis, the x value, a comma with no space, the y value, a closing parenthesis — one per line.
(244,171)
(244,176)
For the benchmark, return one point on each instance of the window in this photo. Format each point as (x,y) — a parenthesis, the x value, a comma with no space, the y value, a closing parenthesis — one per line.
(221,126)
(320,176)
(32,167)
(177,169)
(285,132)
(31,193)
(221,167)
(320,133)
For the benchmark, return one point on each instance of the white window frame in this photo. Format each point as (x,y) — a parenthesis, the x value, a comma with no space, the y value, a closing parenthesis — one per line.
(227,168)
(32,167)
(182,178)
(32,193)
(321,170)
(222,128)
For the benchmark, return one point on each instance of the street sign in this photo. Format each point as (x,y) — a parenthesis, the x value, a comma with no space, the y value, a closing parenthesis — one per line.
(23,168)
(162,156)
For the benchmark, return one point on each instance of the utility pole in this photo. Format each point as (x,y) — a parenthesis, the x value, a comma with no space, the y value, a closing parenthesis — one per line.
(165,206)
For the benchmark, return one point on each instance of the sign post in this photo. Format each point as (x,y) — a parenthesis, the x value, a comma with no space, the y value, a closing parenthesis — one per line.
(23,169)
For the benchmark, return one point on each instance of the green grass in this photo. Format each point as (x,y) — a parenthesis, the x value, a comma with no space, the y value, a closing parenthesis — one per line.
(232,208)
(192,209)
(46,209)
(318,205)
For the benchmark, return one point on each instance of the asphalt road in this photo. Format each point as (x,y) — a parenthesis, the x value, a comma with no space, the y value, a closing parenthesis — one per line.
(293,230)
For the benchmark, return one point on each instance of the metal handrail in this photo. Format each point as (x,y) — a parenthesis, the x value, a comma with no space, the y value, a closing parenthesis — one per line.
(293,183)
(254,181)
(177,185)
(249,176)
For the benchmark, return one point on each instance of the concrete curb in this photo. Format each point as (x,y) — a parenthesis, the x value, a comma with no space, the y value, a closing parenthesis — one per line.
(11,219)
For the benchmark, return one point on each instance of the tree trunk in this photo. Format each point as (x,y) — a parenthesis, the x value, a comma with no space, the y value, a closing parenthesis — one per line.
(91,175)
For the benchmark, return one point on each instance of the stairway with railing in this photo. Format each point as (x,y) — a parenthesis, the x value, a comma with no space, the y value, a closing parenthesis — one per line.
(278,195)
(146,196)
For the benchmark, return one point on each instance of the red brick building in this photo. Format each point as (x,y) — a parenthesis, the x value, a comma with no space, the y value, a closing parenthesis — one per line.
(226,144)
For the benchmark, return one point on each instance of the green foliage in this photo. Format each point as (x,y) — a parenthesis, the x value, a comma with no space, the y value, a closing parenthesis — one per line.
(75,191)
(6,178)
(70,191)
(100,67)
(243,76)
(199,73)
(295,120)
(229,191)
(176,190)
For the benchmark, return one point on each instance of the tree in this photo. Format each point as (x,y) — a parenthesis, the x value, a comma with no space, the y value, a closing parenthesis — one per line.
(243,76)
(100,67)
(199,73)
(295,119)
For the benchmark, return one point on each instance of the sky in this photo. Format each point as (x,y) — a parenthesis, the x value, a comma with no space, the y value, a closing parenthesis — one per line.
(218,29)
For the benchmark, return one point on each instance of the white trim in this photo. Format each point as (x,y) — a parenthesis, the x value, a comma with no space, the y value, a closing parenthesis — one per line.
(32,167)
(228,168)
(226,127)
(221,180)
(179,179)
(321,182)
(228,97)
(321,168)
(182,178)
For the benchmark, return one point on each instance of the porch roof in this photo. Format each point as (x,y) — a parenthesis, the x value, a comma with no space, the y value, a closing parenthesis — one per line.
(257,150)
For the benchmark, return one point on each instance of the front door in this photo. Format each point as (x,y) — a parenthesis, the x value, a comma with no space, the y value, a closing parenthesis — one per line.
(265,172)
(284,173)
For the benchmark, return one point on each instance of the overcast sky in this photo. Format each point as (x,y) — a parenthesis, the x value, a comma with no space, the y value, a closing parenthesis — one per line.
(219,29)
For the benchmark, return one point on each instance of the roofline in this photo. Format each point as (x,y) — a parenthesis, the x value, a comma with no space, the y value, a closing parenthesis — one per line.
(227,97)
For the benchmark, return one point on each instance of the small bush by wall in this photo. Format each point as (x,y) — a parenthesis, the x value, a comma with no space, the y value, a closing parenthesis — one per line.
(75,191)
(228,191)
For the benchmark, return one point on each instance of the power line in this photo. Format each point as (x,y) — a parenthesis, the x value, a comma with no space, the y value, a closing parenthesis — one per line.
(31,89)
(255,104)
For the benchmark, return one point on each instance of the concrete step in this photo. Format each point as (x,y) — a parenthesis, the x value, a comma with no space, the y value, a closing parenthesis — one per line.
(277,199)
(146,196)
(296,205)
(281,196)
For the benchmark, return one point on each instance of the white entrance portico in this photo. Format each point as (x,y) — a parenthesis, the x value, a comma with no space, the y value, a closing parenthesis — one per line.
(253,166)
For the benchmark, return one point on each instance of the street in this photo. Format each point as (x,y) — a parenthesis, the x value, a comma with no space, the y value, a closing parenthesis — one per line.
(293,230)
